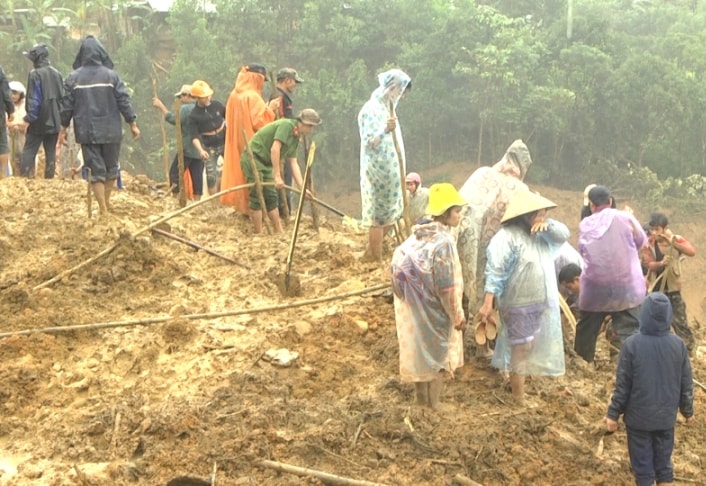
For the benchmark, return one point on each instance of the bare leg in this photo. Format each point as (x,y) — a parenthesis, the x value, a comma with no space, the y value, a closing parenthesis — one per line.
(421,391)
(375,236)
(517,383)
(276,222)
(256,218)
(436,387)
(99,194)
(110,186)
(3,165)
(518,362)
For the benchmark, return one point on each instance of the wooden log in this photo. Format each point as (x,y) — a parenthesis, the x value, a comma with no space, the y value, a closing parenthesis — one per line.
(212,315)
(323,476)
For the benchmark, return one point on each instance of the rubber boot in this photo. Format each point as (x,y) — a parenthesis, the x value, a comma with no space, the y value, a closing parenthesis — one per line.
(421,390)
(436,387)
(99,194)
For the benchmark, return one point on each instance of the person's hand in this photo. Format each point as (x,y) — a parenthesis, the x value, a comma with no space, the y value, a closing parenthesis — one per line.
(157,103)
(279,182)
(539,226)
(135,131)
(274,104)
(205,155)
(610,425)
(688,420)
(391,125)
(486,312)
(666,260)
(62,140)
(460,325)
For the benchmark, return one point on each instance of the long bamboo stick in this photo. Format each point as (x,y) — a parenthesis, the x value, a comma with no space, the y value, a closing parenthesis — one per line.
(165,150)
(328,478)
(400,163)
(196,246)
(180,153)
(212,315)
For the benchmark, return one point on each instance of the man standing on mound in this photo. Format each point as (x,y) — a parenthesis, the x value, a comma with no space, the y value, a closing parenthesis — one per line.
(95,98)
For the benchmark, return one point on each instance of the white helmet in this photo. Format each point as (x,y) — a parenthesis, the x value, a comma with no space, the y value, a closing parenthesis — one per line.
(17,87)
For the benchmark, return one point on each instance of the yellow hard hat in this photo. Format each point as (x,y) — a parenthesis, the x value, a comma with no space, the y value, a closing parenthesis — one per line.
(443,196)
(201,89)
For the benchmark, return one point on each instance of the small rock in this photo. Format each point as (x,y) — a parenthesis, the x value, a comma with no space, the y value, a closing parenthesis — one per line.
(303,328)
(177,310)
(362,326)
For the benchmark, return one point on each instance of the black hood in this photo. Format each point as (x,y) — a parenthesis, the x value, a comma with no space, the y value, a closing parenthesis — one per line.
(92,53)
(39,55)
(656,315)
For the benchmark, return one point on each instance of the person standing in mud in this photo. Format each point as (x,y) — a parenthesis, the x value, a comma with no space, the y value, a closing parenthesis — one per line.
(521,282)
(95,99)
(428,292)
(380,181)
(207,131)
(612,282)
(662,256)
(488,191)
(44,92)
(7,115)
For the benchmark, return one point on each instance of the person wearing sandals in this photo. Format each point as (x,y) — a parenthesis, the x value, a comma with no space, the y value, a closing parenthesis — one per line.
(428,292)
(521,281)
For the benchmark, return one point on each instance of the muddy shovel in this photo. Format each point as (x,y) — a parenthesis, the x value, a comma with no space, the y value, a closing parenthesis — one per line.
(297,218)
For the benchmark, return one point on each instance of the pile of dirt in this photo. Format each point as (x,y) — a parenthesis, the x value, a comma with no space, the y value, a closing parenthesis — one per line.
(314,386)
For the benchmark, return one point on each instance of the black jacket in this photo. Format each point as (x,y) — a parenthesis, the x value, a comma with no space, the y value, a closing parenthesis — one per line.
(45,88)
(7,105)
(654,372)
(95,97)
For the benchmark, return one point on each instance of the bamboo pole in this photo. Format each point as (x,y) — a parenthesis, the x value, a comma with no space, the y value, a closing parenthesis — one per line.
(180,153)
(310,187)
(212,315)
(161,220)
(328,478)
(196,246)
(297,218)
(165,150)
(400,162)
(258,184)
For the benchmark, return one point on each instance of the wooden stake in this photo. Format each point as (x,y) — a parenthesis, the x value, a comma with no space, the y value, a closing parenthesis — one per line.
(165,149)
(213,315)
(195,245)
(258,184)
(180,153)
(314,209)
(400,162)
(297,218)
(323,476)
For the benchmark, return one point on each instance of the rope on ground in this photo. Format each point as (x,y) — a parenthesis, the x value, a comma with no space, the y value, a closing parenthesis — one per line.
(211,315)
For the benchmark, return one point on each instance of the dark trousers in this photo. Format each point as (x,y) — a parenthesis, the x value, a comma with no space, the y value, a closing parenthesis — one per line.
(651,455)
(29,154)
(195,168)
(680,322)
(625,324)
(288,181)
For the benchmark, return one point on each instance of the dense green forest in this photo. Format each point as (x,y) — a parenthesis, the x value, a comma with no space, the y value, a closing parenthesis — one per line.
(599,89)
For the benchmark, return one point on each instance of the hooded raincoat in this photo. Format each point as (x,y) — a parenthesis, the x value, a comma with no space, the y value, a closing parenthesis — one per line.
(609,242)
(380,180)
(245,110)
(520,273)
(488,191)
(654,377)
(426,281)
(45,89)
(95,97)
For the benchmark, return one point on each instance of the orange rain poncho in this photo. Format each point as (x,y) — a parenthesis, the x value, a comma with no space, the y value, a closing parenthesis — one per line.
(245,110)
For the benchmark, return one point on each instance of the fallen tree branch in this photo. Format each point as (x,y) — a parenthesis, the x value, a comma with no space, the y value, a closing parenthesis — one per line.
(196,246)
(699,384)
(464,481)
(324,476)
(212,315)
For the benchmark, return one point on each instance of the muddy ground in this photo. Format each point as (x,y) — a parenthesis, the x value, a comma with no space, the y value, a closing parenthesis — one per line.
(144,404)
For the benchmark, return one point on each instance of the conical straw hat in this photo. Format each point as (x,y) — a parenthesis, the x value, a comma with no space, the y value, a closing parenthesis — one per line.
(525,201)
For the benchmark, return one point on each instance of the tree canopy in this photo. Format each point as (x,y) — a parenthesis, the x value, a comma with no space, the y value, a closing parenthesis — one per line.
(588,84)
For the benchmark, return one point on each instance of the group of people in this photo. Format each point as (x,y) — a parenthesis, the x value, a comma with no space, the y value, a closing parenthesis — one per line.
(242,141)
(493,243)
(92,99)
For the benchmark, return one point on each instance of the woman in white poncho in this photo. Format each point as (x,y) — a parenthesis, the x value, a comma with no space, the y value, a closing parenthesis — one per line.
(428,290)
(520,278)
